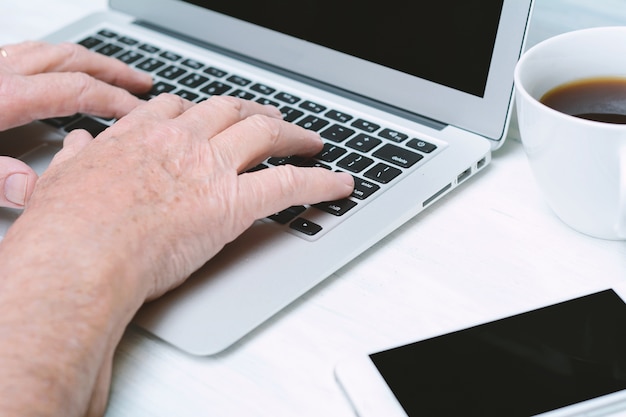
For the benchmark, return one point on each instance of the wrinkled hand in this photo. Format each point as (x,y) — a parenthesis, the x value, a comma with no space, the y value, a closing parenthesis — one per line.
(171,176)
(146,203)
(40,80)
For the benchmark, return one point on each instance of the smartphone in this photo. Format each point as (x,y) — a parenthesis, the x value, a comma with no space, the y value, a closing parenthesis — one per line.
(566,359)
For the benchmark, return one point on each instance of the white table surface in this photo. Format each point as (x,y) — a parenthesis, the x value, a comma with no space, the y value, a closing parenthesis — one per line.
(489,249)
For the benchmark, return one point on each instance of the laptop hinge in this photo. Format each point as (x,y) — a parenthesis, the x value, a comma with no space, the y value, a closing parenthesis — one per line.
(434,124)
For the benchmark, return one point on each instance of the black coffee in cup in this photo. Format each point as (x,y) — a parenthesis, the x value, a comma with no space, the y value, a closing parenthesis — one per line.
(601,99)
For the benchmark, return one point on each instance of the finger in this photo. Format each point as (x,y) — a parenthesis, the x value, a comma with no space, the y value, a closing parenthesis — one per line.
(100,394)
(17,181)
(38,57)
(73,143)
(271,190)
(258,137)
(163,107)
(216,114)
(61,94)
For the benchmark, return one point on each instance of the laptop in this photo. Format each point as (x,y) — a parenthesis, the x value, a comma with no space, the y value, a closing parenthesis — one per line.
(410,99)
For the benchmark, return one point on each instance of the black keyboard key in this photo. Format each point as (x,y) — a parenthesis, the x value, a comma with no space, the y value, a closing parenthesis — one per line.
(312,123)
(128,41)
(216,88)
(312,163)
(92,126)
(363,188)
(398,156)
(109,49)
(150,64)
(290,114)
(107,33)
(149,48)
(90,42)
(287,215)
(187,95)
(161,87)
(337,133)
(217,73)
(258,167)
(266,101)
(338,116)
(355,162)
(365,125)
(240,81)
(193,80)
(129,57)
(393,135)
(305,226)
(263,89)
(246,95)
(336,208)
(286,160)
(287,98)
(193,64)
(170,56)
(421,145)
(172,72)
(312,107)
(330,153)
(382,173)
(363,142)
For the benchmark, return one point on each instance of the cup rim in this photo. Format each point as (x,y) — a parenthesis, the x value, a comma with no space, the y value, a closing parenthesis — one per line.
(528,54)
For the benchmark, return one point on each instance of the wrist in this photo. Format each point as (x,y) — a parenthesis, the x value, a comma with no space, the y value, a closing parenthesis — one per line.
(63,309)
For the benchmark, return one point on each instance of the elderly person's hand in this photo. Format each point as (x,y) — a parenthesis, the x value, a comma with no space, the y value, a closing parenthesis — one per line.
(40,80)
(125,217)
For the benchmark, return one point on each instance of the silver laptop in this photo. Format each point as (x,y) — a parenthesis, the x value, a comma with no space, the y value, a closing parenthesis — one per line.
(409,99)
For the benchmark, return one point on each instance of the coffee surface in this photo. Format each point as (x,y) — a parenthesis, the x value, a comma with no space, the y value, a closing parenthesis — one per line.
(601,99)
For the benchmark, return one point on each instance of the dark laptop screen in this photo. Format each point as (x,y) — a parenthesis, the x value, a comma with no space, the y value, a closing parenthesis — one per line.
(447,42)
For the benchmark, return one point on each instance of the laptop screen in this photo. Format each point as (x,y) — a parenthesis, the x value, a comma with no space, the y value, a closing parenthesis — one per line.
(393,33)
(447,61)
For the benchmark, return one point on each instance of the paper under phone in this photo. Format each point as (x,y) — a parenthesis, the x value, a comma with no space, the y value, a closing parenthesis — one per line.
(522,365)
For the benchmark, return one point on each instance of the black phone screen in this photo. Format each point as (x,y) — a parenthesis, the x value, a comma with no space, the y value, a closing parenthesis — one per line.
(522,365)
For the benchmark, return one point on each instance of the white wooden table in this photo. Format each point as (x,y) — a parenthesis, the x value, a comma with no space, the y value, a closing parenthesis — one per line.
(490,249)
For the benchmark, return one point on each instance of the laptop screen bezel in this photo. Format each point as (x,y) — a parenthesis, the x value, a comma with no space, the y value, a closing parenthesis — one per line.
(487,116)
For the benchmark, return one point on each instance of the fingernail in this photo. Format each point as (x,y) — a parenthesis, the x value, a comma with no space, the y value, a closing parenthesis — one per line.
(348,179)
(15,188)
(316,136)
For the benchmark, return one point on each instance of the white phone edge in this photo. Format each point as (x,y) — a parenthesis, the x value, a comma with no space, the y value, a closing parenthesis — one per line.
(370,396)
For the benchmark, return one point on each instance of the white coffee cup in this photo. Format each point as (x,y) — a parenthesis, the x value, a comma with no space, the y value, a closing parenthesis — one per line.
(579,165)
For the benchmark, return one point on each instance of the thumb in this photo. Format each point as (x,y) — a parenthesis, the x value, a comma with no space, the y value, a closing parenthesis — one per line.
(17,181)
(73,143)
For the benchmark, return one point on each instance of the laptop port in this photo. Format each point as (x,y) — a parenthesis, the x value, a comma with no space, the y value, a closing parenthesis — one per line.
(464,175)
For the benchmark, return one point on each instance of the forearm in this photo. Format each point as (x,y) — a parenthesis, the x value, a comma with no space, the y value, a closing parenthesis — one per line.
(63,310)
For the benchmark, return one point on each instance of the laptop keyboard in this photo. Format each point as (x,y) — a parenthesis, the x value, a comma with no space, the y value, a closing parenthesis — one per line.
(374,154)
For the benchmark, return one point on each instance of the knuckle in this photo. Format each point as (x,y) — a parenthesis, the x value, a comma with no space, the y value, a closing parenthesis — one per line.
(83,84)
(171,99)
(289,179)
(70,50)
(32,44)
(227,103)
(169,130)
(269,127)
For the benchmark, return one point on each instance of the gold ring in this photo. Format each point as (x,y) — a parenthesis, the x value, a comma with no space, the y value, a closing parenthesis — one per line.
(3,53)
